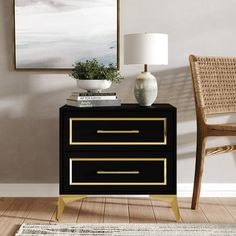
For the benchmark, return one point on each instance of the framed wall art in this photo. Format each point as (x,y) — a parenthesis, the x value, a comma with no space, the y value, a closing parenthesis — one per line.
(54,34)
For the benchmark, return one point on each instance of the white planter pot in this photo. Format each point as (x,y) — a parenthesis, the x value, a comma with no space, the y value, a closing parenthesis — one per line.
(94,86)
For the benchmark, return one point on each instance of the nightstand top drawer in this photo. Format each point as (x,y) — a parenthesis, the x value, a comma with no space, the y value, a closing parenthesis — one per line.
(117,130)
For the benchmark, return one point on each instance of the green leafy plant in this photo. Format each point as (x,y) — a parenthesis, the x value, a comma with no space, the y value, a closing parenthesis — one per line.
(93,70)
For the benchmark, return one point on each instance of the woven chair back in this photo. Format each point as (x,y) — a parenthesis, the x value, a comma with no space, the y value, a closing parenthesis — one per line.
(214,80)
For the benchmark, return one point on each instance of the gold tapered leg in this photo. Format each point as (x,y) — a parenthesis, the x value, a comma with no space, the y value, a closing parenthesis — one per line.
(62,200)
(172,199)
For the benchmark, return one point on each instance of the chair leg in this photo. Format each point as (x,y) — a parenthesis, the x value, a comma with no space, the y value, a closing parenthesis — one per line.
(200,154)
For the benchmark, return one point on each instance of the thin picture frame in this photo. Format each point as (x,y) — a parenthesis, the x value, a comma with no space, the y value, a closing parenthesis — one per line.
(61,68)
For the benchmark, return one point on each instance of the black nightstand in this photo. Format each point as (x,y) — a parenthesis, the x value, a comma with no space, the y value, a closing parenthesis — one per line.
(118,150)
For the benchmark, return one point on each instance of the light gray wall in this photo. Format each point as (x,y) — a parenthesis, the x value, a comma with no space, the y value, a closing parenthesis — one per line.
(29,101)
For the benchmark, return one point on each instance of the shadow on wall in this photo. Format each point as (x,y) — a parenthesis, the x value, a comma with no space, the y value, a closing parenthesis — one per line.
(175,87)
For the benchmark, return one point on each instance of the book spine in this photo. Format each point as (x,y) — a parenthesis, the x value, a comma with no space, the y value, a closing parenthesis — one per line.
(91,103)
(93,94)
(81,98)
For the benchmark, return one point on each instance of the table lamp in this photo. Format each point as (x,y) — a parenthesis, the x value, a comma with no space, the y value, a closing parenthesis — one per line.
(146,49)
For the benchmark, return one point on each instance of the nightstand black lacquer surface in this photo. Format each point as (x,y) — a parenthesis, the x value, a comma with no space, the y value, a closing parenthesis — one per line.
(118,150)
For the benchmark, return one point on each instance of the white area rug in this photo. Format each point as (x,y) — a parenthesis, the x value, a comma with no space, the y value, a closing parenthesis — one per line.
(128,229)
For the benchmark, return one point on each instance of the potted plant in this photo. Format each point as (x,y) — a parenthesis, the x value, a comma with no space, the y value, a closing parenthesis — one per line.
(94,76)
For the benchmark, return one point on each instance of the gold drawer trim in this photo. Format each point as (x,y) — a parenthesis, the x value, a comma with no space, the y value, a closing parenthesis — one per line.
(164,142)
(117,131)
(118,183)
(114,172)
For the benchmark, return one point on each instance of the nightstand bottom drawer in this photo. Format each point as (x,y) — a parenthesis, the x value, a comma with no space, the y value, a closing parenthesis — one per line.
(117,171)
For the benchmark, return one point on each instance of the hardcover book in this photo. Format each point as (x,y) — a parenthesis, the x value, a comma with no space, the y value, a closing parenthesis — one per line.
(93,94)
(93,103)
(100,97)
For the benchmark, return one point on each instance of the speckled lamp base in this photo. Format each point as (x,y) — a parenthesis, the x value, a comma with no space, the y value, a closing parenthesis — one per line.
(146,89)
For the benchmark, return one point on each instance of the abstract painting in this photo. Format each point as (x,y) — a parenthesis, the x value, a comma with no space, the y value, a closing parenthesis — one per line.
(54,34)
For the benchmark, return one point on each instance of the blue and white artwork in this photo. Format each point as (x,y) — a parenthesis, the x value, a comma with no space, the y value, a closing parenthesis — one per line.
(57,33)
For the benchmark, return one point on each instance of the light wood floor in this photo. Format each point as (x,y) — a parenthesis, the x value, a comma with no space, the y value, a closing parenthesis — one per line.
(15,211)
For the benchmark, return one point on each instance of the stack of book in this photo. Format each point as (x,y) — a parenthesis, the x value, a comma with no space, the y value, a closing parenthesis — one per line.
(93,100)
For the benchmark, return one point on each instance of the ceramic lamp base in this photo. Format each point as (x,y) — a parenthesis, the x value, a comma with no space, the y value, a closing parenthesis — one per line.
(146,89)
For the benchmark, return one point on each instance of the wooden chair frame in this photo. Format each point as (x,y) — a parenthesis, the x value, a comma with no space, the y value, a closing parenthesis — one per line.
(206,104)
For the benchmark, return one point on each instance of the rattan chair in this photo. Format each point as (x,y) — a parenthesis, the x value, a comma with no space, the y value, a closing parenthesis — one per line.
(214,85)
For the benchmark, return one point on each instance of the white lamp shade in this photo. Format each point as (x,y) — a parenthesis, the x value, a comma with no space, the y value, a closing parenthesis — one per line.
(146,48)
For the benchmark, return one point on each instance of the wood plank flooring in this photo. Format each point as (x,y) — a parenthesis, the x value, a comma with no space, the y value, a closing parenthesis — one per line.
(15,211)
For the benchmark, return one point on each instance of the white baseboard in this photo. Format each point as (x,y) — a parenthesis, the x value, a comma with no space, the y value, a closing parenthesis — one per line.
(29,190)
(208,190)
(52,190)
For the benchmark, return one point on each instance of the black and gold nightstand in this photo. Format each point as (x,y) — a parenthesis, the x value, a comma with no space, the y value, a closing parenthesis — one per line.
(118,150)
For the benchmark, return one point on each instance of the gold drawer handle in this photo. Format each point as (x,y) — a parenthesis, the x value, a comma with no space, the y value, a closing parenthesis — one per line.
(118,131)
(103,172)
